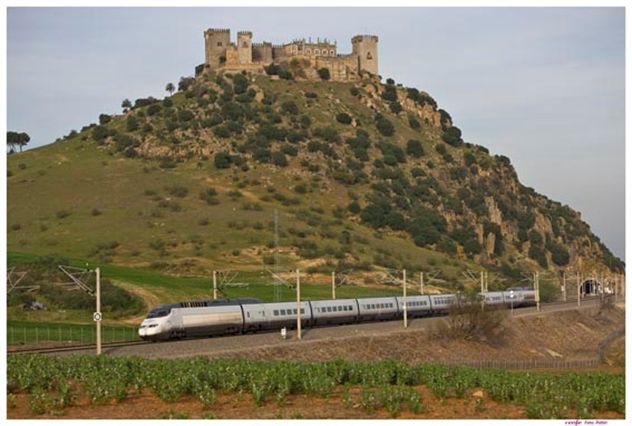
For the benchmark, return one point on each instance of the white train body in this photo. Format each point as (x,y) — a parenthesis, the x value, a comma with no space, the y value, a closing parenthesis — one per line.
(205,318)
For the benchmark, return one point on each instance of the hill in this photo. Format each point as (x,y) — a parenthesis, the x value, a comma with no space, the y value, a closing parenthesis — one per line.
(363,175)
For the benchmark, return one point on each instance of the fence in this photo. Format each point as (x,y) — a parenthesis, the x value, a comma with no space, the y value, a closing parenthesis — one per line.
(67,334)
(526,364)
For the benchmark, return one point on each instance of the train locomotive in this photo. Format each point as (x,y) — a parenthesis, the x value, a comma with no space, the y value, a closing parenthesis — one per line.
(206,318)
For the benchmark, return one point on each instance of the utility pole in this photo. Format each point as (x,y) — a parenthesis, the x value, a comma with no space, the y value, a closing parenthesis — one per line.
(97,314)
(405,303)
(482,290)
(564,285)
(80,278)
(579,289)
(536,278)
(214,285)
(421,289)
(333,285)
(298,303)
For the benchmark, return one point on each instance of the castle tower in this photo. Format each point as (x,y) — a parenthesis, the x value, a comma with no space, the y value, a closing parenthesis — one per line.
(365,46)
(244,47)
(216,41)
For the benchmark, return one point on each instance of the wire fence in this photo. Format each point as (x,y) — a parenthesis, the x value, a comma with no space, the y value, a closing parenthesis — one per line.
(67,334)
(526,364)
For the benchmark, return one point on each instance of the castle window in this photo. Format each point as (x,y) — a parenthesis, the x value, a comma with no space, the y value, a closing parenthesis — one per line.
(219,44)
(369,56)
(244,44)
(324,53)
(332,53)
(308,51)
(316,52)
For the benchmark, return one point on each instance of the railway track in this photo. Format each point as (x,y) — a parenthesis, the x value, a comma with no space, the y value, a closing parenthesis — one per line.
(74,348)
(545,307)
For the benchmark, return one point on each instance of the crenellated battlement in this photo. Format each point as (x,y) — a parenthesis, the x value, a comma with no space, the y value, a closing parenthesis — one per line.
(224,54)
(217,30)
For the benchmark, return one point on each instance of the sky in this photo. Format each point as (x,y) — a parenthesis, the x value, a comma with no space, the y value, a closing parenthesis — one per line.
(543,86)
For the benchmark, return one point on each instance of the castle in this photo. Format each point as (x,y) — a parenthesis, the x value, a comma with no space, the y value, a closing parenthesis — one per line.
(222,54)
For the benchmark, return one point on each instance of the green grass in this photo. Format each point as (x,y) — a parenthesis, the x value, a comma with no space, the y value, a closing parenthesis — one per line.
(172,288)
(24,332)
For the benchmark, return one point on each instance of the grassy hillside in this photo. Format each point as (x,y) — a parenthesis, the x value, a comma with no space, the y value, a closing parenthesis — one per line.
(364,176)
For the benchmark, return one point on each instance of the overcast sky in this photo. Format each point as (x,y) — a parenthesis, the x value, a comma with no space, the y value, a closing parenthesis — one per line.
(545,87)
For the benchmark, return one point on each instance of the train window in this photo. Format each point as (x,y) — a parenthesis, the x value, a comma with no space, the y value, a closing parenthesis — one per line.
(248,313)
(302,311)
(276,313)
(350,308)
(328,308)
(282,311)
(373,306)
(345,308)
(294,311)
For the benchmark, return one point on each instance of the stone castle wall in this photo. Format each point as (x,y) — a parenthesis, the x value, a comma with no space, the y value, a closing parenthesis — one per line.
(221,54)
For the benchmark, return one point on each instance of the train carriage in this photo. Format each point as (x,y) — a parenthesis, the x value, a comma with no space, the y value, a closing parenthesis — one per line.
(277,315)
(377,309)
(338,311)
(416,306)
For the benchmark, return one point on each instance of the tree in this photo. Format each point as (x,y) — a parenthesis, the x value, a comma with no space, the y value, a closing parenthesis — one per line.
(324,74)
(17,139)
(343,118)
(385,127)
(170,88)
(126,105)
(222,160)
(414,148)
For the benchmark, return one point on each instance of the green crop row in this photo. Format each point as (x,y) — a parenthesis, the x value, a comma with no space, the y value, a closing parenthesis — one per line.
(387,383)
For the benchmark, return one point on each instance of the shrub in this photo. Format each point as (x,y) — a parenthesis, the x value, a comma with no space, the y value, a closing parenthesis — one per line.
(221,131)
(222,160)
(343,118)
(324,74)
(272,69)
(414,123)
(289,107)
(279,159)
(466,320)
(285,75)
(104,119)
(185,115)
(132,124)
(414,148)
(452,136)
(209,196)
(385,127)
(262,155)
(354,91)
(61,214)
(153,109)
(395,107)
(177,191)
(99,133)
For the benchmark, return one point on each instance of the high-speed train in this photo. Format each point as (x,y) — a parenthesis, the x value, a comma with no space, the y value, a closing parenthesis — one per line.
(206,318)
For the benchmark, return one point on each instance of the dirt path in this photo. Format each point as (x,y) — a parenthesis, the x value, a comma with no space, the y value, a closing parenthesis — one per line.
(148,298)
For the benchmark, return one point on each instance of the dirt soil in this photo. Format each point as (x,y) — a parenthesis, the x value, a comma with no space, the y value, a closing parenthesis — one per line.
(559,336)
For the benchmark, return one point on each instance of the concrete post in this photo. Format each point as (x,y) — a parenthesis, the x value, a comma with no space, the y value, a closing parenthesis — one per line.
(98,273)
(422,284)
(405,304)
(214,285)
(298,303)
(333,285)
